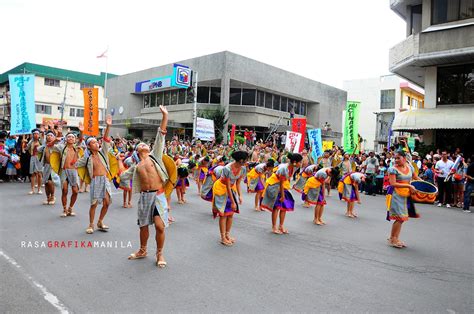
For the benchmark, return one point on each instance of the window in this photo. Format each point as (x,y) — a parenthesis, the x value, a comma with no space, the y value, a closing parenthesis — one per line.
(276,102)
(146,101)
(152,100)
(303,109)
(80,113)
(159,99)
(268,100)
(86,85)
(51,82)
(443,11)
(190,95)
(166,100)
(260,98)
(292,106)
(43,109)
(203,95)
(174,97)
(72,112)
(248,97)
(284,104)
(181,96)
(415,19)
(387,99)
(235,96)
(456,85)
(215,95)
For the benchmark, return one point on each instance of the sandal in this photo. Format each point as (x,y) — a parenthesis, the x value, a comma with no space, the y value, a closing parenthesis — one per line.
(31,192)
(70,212)
(276,231)
(45,202)
(229,238)
(137,254)
(64,213)
(52,202)
(395,244)
(90,229)
(225,241)
(283,230)
(102,227)
(160,264)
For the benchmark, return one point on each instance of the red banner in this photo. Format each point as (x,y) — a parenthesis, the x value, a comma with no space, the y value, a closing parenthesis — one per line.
(299,125)
(232,135)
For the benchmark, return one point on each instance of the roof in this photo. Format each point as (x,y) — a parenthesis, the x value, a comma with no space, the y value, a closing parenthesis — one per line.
(449,117)
(56,73)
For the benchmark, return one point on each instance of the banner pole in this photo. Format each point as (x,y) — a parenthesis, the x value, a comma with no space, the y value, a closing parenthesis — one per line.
(195,87)
(63,105)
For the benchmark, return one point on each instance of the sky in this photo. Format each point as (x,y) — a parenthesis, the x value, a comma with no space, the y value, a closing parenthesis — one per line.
(328,41)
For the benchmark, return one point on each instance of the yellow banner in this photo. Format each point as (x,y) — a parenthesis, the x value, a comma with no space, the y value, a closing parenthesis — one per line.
(327,145)
(91,111)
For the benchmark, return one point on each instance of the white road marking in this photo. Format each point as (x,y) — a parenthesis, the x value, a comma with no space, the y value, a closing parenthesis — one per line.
(48,296)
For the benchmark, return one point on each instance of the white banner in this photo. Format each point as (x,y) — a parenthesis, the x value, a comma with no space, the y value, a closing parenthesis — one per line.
(205,129)
(293,140)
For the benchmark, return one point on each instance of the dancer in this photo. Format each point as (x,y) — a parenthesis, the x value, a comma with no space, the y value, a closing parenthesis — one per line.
(36,169)
(182,184)
(47,151)
(224,201)
(277,197)
(202,170)
(348,189)
(125,185)
(212,175)
(149,178)
(304,175)
(97,169)
(399,204)
(256,179)
(314,193)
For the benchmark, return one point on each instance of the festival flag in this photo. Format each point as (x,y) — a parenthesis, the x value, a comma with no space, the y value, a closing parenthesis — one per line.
(232,135)
(103,54)
(351,127)
(293,140)
(299,125)
(22,93)
(91,111)
(327,145)
(314,138)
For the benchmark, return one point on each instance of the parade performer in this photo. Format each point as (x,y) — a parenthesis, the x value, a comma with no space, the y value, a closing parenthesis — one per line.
(224,200)
(182,183)
(399,204)
(276,196)
(36,169)
(202,170)
(348,189)
(212,175)
(326,161)
(47,152)
(303,177)
(150,178)
(314,193)
(125,185)
(256,178)
(98,167)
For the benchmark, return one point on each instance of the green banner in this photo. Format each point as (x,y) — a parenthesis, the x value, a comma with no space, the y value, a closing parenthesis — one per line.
(411,143)
(351,127)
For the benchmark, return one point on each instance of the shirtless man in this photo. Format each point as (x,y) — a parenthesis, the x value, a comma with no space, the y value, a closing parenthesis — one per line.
(36,169)
(98,169)
(47,150)
(149,177)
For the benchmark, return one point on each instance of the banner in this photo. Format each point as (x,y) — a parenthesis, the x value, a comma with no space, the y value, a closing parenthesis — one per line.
(299,125)
(411,143)
(22,92)
(327,145)
(314,137)
(232,135)
(293,140)
(351,127)
(205,129)
(91,111)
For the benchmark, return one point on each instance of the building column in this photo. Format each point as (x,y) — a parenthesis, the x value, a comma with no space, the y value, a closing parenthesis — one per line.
(431,77)
(225,90)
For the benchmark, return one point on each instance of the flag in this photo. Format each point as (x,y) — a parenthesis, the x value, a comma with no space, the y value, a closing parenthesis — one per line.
(91,111)
(293,140)
(299,125)
(22,91)
(314,137)
(351,127)
(102,55)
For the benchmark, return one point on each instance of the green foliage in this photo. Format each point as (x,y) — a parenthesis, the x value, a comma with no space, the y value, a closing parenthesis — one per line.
(219,118)
(239,139)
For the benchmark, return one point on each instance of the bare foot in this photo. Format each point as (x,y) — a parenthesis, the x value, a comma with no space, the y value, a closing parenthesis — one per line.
(229,238)
(124,205)
(283,230)
(130,205)
(322,222)
(317,222)
(276,231)
(226,242)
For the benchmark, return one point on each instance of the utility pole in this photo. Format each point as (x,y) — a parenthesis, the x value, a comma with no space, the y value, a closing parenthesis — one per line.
(63,105)
(195,88)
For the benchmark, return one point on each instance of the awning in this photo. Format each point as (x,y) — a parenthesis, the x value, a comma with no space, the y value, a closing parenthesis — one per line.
(451,117)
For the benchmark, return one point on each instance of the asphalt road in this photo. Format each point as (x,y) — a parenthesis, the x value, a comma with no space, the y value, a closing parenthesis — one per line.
(345,266)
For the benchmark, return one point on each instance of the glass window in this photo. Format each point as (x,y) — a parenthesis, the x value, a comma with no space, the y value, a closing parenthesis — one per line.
(235,96)
(43,109)
(284,104)
(152,100)
(260,98)
(146,101)
(298,107)
(292,106)
(248,97)
(215,95)
(444,11)
(80,113)
(190,95)
(166,100)
(276,102)
(466,9)
(86,85)
(181,96)
(303,109)
(387,99)
(72,112)
(174,97)
(51,82)
(456,85)
(268,100)
(415,19)
(203,95)
(159,99)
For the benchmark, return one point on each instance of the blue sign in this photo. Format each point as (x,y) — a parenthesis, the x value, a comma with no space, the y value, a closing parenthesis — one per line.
(22,91)
(316,142)
(181,76)
(153,84)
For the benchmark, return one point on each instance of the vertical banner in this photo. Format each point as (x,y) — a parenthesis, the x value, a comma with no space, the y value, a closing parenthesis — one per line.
(293,140)
(314,138)
(22,92)
(327,145)
(232,135)
(299,125)
(351,127)
(411,143)
(91,111)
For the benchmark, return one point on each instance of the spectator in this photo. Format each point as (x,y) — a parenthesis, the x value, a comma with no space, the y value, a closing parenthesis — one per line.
(443,168)
(469,185)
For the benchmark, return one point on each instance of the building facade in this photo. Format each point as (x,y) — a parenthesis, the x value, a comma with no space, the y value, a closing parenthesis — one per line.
(438,54)
(53,86)
(382,99)
(254,95)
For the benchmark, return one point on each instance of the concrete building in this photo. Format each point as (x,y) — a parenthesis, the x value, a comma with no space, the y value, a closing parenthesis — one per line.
(254,95)
(438,54)
(382,99)
(51,86)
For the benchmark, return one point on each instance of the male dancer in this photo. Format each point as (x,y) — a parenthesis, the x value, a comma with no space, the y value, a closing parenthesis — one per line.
(46,151)
(36,169)
(149,177)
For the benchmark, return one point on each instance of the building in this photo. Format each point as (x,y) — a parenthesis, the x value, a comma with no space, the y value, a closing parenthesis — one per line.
(254,95)
(382,99)
(53,86)
(438,54)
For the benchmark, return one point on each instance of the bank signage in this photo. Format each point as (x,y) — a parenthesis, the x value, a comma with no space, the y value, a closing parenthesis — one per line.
(153,84)
(181,78)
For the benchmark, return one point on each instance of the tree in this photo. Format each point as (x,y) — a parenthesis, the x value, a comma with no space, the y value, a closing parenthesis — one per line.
(219,118)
